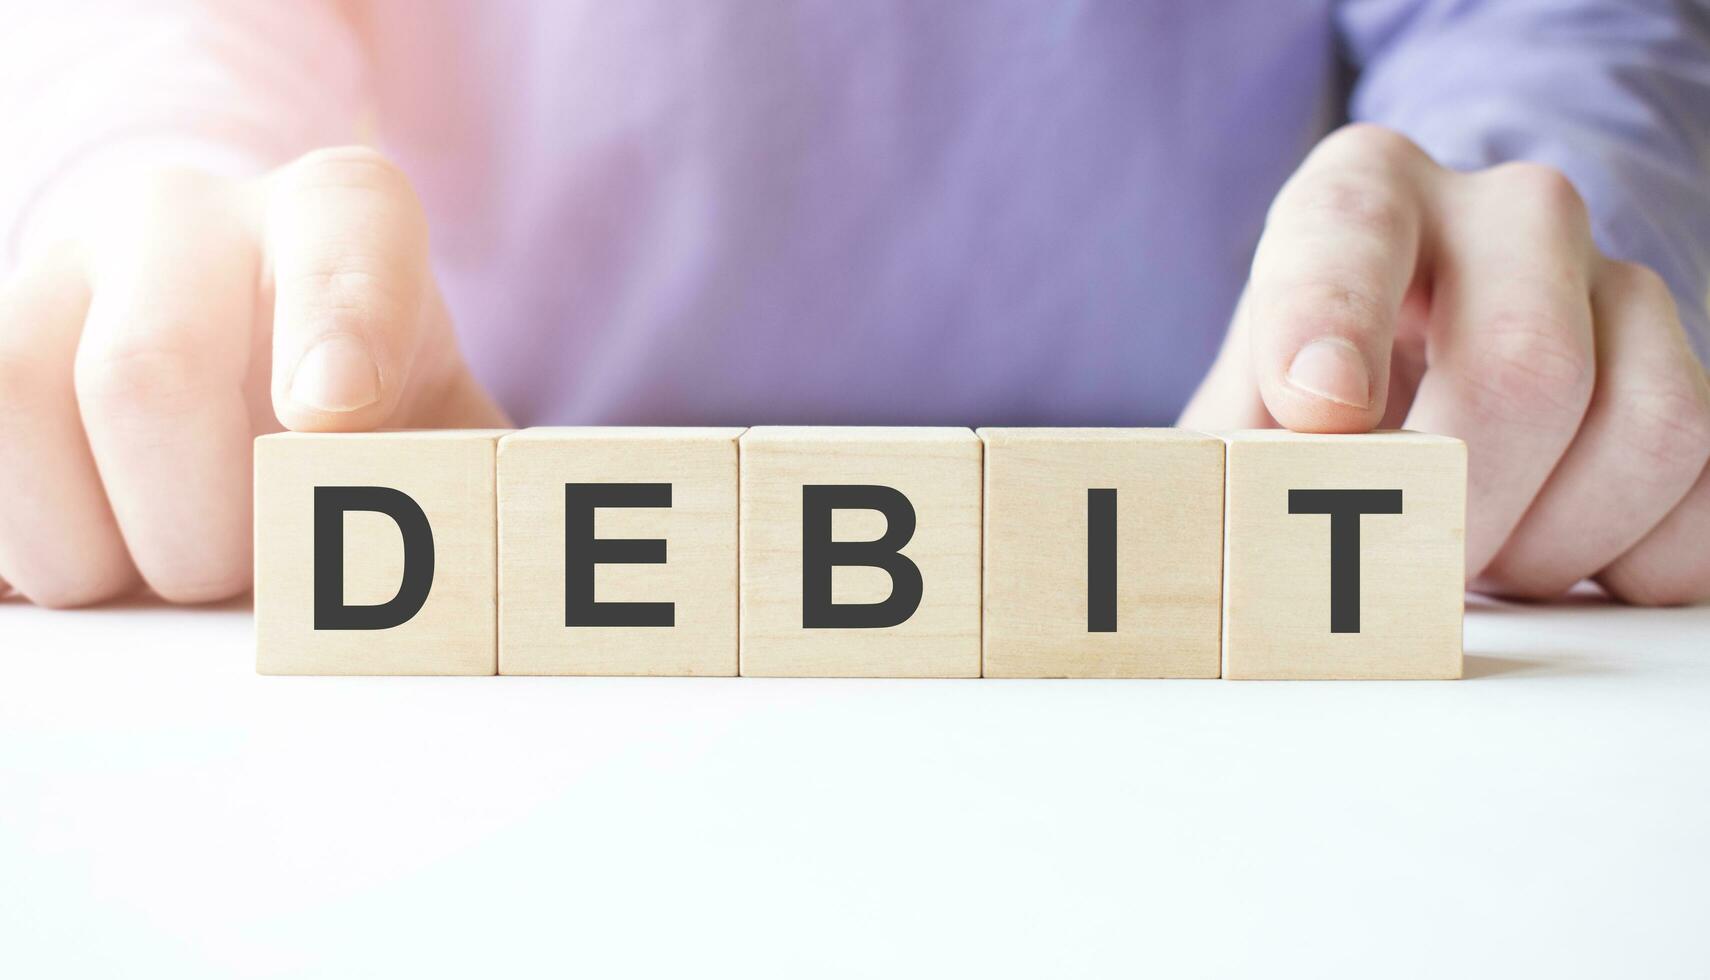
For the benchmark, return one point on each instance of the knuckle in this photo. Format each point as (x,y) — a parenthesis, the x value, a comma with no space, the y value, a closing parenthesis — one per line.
(1668,425)
(353,278)
(1360,202)
(1528,584)
(1643,284)
(1342,304)
(1531,370)
(73,592)
(1374,144)
(25,385)
(211,586)
(1542,188)
(169,185)
(355,291)
(65,579)
(152,381)
(1639,584)
(358,168)
(157,199)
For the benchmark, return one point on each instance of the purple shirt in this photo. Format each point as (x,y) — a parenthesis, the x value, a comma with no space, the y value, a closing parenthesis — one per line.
(940,211)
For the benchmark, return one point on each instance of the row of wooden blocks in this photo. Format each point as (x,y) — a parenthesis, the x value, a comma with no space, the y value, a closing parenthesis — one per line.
(861,552)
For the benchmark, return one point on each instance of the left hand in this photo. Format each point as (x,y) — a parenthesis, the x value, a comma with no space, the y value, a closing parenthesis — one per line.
(1390,292)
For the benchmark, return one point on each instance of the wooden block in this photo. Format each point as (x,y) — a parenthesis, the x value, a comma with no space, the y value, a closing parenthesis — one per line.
(653,554)
(1293,508)
(357,605)
(816,602)
(1103,552)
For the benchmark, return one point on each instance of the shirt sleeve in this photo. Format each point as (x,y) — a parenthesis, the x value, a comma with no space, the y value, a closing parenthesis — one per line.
(1614,93)
(92,90)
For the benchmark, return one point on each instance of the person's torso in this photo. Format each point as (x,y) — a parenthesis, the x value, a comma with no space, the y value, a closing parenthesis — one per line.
(734,212)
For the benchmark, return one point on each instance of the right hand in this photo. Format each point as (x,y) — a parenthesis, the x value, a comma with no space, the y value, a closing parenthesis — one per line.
(138,362)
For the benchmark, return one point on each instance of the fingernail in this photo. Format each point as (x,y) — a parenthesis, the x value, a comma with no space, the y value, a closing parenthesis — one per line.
(1332,368)
(336,375)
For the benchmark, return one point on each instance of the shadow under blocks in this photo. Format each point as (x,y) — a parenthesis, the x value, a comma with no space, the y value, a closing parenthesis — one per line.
(861,552)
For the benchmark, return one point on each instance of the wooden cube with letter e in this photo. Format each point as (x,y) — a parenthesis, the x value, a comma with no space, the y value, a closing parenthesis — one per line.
(1344,555)
(375,553)
(860,552)
(617,551)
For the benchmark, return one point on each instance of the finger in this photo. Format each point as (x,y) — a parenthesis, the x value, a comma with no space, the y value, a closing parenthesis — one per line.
(1645,440)
(160,383)
(1670,566)
(1339,251)
(1510,353)
(347,243)
(59,543)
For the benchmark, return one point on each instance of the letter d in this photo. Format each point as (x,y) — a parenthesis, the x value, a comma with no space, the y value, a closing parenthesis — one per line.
(331,504)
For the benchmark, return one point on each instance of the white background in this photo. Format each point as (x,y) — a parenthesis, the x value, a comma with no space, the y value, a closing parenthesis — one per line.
(166,812)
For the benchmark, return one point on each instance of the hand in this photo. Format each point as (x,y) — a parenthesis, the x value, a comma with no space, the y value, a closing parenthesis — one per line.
(138,362)
(1388,291)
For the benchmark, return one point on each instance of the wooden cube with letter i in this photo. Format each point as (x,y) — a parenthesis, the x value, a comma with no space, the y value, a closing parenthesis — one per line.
(1103,552)
(1344,555)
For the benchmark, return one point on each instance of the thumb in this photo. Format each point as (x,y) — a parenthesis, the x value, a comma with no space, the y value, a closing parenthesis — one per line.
(346,243)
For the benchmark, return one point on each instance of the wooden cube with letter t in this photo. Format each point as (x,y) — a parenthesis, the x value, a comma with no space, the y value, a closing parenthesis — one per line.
(375,553)
(1344,555)
(1103,552)
(617,551)
(860,552)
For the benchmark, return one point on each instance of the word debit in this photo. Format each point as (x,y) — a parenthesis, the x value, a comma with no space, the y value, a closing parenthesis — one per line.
(861,552)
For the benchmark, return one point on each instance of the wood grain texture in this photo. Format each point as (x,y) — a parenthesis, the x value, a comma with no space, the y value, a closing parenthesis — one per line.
(699,530)
(1276,593)
(938,469)
(450,475)
(1168,557)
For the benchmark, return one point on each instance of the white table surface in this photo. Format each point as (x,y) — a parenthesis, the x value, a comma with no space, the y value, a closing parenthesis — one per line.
(166,812)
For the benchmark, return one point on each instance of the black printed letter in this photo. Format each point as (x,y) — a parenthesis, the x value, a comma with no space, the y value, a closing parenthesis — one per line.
(1344,508)
(820,553)
(331,504)
(582,551)
(1101,561)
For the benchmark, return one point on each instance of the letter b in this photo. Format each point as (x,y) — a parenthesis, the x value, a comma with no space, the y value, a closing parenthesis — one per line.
(820,554)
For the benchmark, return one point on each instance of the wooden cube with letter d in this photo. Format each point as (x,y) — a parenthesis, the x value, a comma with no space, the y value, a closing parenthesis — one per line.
(1344,555)
(375,553)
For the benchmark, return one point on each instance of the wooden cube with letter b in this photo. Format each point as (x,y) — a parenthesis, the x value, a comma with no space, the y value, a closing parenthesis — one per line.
(1103,552)
(374,553)
(617,551)
(860,552)
(1344,555)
